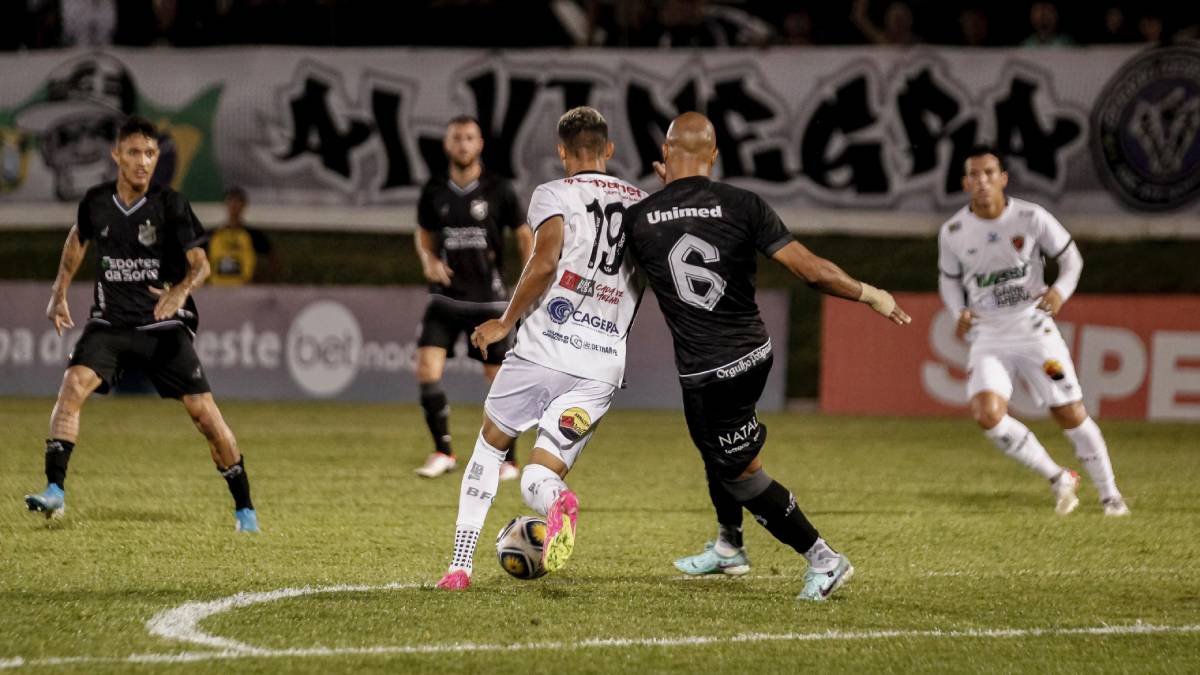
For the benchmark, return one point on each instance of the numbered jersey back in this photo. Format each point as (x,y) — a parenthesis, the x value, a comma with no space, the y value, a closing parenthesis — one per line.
(580,324)
(698,242)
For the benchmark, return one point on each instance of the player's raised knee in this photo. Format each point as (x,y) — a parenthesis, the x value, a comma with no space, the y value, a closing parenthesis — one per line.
(76,386)
(988,409)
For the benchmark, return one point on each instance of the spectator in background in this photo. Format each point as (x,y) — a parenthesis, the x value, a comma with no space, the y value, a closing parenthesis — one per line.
(697,23)
(897,24)
(88,23)
(1150,28)
(1115,28)
(1043,19)
(238,251)
(797,29)
(973,23)
(621,23)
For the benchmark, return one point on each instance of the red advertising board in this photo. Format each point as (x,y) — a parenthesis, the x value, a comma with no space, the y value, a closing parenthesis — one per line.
(1138,357)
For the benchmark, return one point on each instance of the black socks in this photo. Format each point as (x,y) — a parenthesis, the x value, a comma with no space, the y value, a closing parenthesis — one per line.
(729,511)
(239,484)
(437,415)
(775,508)
(58,455)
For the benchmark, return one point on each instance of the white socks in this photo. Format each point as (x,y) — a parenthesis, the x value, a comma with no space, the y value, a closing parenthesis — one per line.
(821,558)
(1093,453)
(480,480)
(1018,442)
(540,487)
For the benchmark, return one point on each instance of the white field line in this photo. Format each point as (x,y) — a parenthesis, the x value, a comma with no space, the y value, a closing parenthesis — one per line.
(975,573)
(1044,572)
(182,623)
(679,641)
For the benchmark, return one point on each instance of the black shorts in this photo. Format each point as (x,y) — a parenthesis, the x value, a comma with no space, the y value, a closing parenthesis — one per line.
(722,421)
(165,355)
(445,319)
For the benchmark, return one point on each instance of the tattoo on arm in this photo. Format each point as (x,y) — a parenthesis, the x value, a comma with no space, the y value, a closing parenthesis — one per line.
(68,264)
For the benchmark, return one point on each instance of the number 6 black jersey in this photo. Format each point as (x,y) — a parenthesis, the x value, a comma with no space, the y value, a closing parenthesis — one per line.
(697,241)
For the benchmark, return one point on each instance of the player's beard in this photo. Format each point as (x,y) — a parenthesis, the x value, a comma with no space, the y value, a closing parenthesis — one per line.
(463,166)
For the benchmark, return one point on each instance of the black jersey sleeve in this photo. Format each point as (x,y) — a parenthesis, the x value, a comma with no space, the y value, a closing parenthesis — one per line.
(426,215)
(183,224)
(83,219)
(770,233)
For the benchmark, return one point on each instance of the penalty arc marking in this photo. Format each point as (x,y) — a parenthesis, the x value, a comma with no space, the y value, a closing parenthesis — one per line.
(182,624)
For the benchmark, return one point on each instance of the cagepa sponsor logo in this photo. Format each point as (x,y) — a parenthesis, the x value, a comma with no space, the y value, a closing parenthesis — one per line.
(662,216)
(560,309)
(594,322)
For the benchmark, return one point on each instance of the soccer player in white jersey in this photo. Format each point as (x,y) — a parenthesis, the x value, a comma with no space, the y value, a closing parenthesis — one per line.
(577,298)
(991,259)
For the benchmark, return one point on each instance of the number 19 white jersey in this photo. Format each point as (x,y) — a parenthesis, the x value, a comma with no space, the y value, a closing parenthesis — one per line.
(580,324)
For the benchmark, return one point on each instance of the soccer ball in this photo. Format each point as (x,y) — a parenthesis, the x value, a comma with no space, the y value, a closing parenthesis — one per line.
(519,547)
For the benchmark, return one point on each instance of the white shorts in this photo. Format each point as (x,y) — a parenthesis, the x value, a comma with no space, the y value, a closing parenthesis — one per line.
(1043,363)
(565,408)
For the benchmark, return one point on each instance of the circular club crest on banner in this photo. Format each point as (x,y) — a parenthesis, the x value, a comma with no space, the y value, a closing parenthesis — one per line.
(1146,130)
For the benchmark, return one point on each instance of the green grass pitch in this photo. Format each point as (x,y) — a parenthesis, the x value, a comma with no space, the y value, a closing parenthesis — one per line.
(962,563)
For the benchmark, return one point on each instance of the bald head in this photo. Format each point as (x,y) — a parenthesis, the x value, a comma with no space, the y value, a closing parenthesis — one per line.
(690,148)
(691,133)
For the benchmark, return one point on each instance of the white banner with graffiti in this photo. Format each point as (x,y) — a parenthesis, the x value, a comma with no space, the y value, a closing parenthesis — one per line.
(848,139)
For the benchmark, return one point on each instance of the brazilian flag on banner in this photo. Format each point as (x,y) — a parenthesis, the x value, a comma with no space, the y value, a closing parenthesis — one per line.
(70,123)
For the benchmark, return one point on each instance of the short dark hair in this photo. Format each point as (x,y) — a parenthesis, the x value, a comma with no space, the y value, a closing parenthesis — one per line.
(136,124)
(463,119)
(583,129)
(981,149)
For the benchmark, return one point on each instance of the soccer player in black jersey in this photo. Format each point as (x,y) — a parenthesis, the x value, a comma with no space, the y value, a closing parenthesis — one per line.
(151,256)
(697,240)
(460,240)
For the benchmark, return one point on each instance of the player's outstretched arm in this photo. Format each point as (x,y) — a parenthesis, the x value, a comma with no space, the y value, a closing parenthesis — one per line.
(68,264)
(825,276)
(171,299)
(535,278)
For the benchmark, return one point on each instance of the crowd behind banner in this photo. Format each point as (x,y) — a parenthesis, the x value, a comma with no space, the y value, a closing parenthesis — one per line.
(1099,132)
(36,24)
